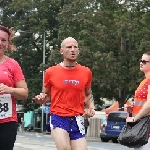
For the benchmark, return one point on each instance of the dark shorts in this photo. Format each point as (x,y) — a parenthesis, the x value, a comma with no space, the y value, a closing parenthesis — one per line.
(8,132)
(67,123)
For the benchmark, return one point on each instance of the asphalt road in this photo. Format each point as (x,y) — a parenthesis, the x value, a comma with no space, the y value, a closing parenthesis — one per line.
(38,141)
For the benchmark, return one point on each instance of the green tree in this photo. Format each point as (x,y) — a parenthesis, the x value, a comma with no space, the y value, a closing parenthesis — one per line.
(109,35)
(35,18)
(112,36)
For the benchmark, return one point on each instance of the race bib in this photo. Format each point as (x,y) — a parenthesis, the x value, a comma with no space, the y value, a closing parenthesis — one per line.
(5,106)
(80,123)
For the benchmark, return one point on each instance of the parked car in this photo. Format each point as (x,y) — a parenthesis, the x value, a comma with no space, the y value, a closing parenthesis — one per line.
(114,124)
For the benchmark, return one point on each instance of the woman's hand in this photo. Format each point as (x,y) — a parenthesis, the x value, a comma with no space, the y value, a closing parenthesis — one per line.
(5,89)
(130,119)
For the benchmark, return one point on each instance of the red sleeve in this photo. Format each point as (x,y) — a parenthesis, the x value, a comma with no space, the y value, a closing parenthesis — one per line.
(88,84)
(18,74)
(47,81)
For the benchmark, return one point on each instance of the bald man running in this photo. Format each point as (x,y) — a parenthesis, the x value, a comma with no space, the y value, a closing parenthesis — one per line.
(69,86)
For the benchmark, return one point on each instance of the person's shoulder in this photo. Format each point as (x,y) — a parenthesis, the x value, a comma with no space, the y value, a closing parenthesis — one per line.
(11,60)
(12,63)
(85,68)
(53,68)
(147,81)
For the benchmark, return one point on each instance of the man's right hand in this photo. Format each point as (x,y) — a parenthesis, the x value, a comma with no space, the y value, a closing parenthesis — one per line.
(40,99)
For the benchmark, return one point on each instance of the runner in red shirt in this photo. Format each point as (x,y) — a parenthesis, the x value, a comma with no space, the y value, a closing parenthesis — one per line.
(69,85)
(12,87)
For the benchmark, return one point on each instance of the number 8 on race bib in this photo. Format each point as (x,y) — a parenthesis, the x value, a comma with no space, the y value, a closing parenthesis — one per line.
(5,106)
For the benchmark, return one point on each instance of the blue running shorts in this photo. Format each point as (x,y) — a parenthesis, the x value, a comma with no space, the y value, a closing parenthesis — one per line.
(67,123)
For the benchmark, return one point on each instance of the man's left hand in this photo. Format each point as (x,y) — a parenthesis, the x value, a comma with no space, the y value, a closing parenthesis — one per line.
(90,112)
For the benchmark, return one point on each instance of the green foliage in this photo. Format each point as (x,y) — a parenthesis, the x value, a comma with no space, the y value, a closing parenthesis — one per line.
(35,18)
(112,36)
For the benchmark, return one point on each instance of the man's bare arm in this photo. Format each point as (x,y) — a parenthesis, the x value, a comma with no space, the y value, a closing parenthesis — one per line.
(47,92)
(89,101)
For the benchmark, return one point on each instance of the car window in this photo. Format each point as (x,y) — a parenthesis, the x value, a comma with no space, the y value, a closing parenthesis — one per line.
(117,117)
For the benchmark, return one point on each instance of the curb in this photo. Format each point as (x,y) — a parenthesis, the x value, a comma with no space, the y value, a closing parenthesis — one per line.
(93,139)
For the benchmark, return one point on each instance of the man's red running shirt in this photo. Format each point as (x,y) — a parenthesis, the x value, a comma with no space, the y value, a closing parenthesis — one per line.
(67,89)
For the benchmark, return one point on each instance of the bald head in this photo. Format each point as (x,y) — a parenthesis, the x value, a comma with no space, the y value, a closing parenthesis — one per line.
(69,39)
(69,49)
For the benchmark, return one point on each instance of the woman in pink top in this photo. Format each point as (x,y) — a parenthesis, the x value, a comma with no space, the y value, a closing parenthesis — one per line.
(12,87)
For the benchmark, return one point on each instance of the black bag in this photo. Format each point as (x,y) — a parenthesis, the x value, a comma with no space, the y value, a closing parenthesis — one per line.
(135,134)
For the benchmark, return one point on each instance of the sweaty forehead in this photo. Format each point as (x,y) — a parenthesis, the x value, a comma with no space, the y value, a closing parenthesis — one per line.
(71,44)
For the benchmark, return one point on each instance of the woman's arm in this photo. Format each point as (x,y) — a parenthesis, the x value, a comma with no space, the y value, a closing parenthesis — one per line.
(146,107)
(20,91)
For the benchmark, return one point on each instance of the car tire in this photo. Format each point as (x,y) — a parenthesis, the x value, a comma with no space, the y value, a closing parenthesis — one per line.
(114,140)
(104,139)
